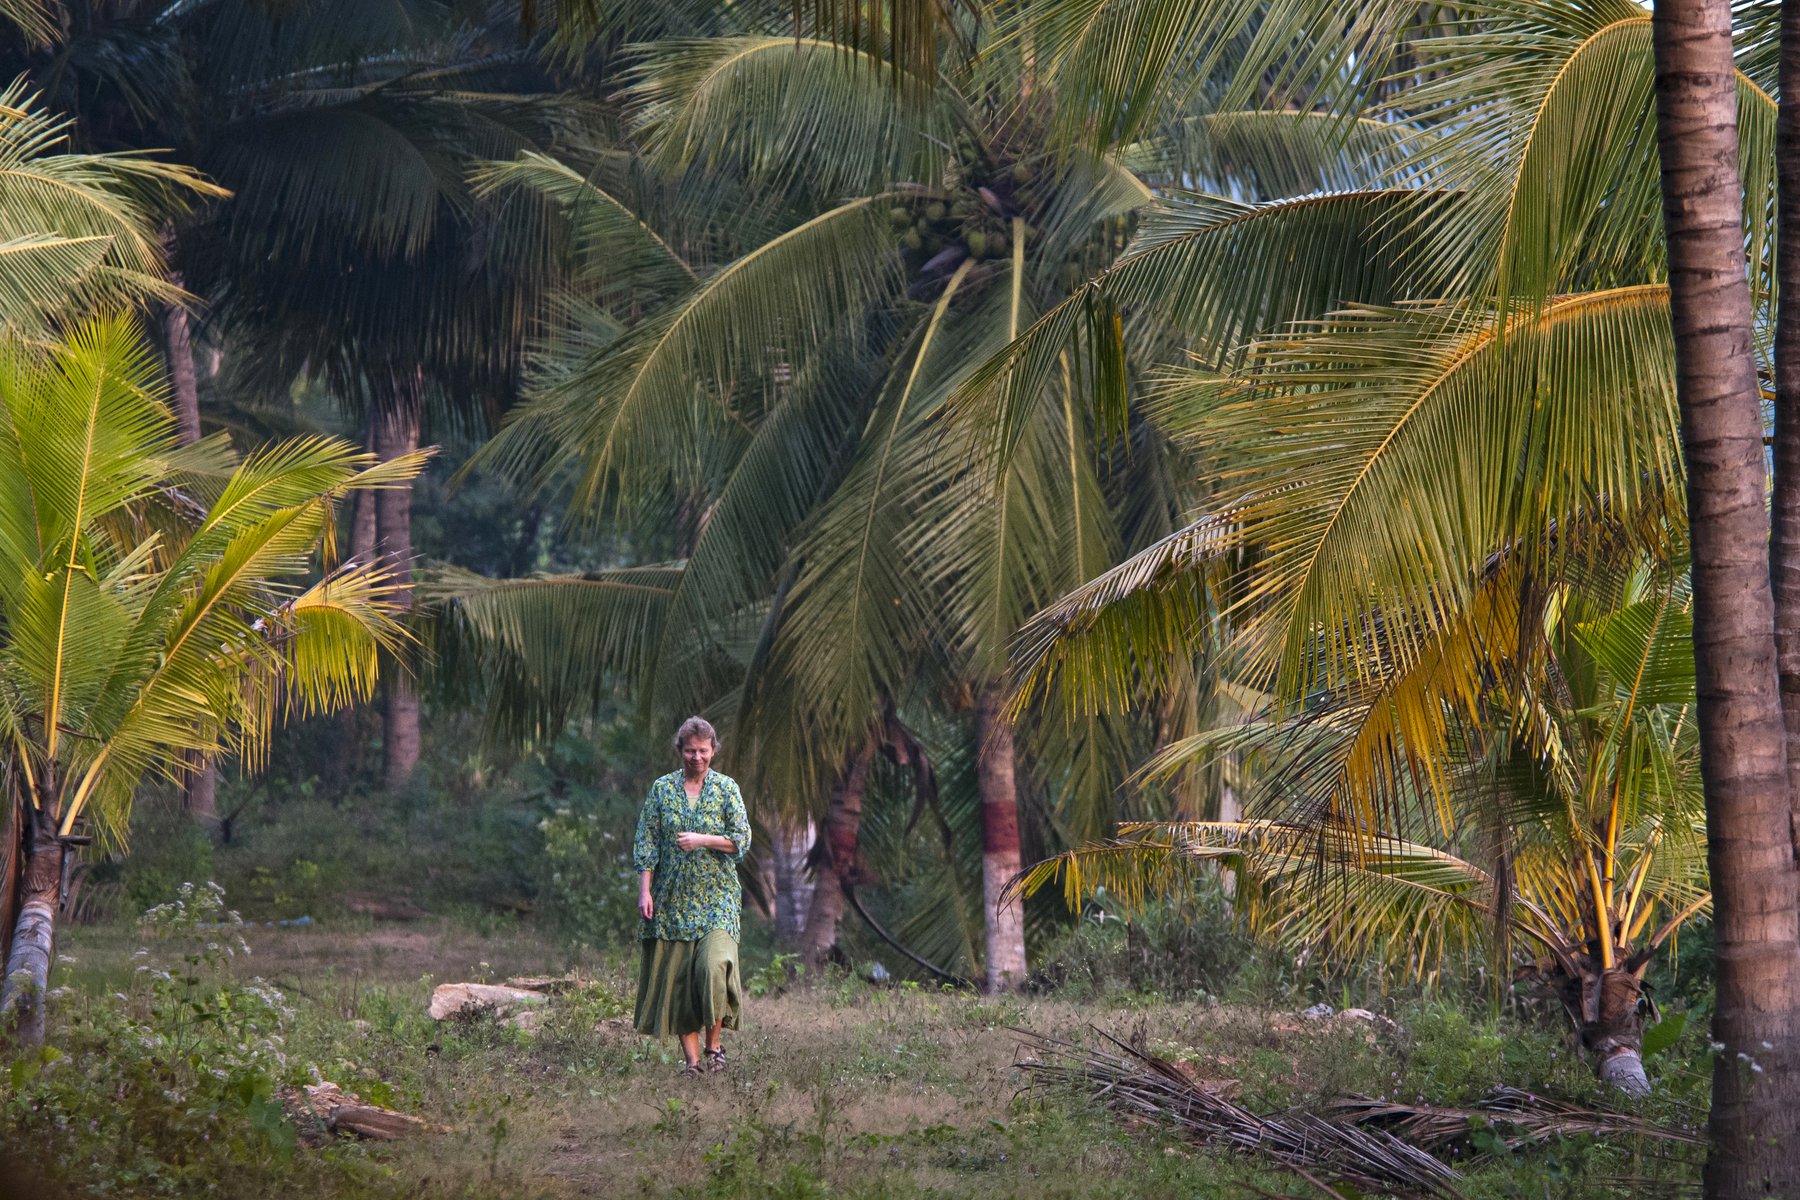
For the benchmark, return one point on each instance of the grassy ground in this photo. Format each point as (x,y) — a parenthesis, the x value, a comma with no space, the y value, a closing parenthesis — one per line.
(837,1088)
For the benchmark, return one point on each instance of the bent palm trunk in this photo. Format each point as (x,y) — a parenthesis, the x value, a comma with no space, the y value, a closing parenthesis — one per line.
(33,932)
(1755,1120)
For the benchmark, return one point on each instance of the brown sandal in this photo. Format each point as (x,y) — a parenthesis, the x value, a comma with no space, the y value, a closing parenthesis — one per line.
(715,1059)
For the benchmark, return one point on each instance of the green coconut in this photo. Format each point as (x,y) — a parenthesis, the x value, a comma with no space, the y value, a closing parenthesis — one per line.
(977,243)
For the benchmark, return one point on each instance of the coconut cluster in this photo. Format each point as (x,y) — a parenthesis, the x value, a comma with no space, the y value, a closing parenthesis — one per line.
(970,218)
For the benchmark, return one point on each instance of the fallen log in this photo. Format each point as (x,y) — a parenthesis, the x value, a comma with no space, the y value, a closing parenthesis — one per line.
(322,1109)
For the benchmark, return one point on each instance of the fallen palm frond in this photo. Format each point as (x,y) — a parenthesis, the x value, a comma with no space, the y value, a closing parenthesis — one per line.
(1370,1144)
(1518,1118)
(1137,1083)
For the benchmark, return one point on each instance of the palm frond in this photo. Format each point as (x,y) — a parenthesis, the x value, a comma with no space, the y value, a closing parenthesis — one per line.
(1221,272)
(79,231)
(1121,67)
(797,115)
(1401,447)
(1124,631)
(616,255)
(657,386)
(549,647)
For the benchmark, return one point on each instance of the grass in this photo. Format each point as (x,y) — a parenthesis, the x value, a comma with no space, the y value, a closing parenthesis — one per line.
(837,1088)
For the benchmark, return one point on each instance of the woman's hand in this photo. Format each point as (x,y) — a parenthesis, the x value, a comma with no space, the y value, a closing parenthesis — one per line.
(694,841)
(646,906)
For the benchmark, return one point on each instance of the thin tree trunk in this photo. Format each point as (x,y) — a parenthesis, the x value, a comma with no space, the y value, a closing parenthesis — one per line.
(794,889)
(1784,542)
(1755,1119)
(202,793)
(837,860)
(347,764)
(178,339)
(397,433)
(27,976)
(362,516)
(1001,860)
(201,799)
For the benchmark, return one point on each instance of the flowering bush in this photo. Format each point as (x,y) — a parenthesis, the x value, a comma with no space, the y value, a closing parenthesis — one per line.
(167,1081)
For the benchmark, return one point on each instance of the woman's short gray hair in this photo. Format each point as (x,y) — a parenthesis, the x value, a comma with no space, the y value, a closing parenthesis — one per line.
(696,727)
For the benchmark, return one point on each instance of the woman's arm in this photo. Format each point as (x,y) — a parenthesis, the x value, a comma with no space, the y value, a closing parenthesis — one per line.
(737,842)
(643,852)
(706,841)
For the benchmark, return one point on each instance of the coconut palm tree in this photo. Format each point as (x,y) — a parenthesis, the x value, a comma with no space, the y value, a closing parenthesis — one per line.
(157,601)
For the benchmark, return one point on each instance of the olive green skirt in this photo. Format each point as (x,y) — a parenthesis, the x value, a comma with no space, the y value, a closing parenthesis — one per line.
(684,987)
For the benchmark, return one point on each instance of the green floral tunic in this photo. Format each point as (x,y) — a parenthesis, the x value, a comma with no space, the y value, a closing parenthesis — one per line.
(696,891)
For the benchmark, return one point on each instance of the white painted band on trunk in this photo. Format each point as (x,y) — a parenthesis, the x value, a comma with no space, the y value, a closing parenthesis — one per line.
(1624,1069)
(28,966)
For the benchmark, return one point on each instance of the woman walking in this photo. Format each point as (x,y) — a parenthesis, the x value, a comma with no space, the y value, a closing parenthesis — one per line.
(691,835)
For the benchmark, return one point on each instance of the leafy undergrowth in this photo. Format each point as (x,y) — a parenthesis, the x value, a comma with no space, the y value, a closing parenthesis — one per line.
(165,1065)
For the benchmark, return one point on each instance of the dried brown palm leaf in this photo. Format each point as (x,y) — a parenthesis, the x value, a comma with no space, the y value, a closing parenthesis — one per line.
(1136,1083)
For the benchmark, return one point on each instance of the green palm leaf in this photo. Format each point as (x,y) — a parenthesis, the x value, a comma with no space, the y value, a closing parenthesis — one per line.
(617,256)
(548,647)
(1402,435)
(1121,67)
(796,115)
(660,384)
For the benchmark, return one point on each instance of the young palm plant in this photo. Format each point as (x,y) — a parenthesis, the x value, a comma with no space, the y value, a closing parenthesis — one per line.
(1565,835)
(156,602)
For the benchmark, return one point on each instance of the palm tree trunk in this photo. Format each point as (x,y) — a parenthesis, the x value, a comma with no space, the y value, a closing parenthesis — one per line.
(1755,1119)
(1604,1005)
(397,433)
(33,941)
(1784,542)
(1001,860)
(794,889)
(202,782)
(838,860)
(184,383)
(12,864)
(347,764)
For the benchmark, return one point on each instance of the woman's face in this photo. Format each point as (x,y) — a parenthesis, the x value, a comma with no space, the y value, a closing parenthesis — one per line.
(696,755)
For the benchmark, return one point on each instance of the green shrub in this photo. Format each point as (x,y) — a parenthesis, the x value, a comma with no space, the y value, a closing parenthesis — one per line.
(167,849)
(1184,946)
(171,1084)
(587,886)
